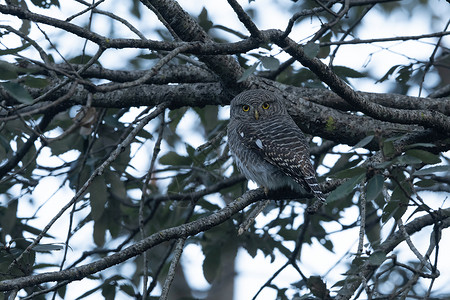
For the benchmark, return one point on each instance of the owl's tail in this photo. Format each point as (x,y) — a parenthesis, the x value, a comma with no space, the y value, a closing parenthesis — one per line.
(314,186)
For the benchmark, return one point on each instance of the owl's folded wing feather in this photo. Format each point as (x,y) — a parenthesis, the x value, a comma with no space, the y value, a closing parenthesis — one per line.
(283,145)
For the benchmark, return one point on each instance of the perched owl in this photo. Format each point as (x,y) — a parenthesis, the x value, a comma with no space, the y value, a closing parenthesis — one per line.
(267,145)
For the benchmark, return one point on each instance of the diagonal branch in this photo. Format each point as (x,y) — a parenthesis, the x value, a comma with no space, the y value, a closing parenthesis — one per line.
(430,119)
(177,232)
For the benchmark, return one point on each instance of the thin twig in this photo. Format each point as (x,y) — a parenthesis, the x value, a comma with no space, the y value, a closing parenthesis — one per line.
(148,177)
(245,19)
(150,73)
(431,60)
(252,216)
(172,268)
(362,225)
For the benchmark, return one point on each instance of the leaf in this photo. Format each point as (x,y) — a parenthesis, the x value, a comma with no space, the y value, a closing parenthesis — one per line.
(174,159)
(100,227)
(248,72)
(352,172)
(407,160)
(388,148)
(346,188)
(18,92)
(47,247)
(211,264)
(270,62)
(374,187)
(432,170)
(425,156)
(425,183)
(404,74)
(363,142)
(128,289)
(7,71)
(311,49)
(317,287)
(45,3)
(388,73)
(345,72)
(98,197)
(36,82)
(377,258)
(204,21)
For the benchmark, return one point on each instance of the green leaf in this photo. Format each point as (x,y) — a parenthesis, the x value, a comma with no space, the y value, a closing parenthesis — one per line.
(36,82)
(100,228)
(62,291)
(99,196)
(432,170)
(388,73)
(363,142)
(425,156)
(388,148)
(374,187)
(45,3)
(345,72)
(174,159)
(311,49)
(377,258)
(407,160)
(346,188)
(204,21)
(248,72)
(211,264)
(7,71)
(404,74)
(352,172)
(425,183)
(128,289)
(18,92)
(270,62)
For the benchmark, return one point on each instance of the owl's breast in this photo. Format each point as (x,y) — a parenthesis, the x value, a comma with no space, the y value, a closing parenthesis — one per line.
(257,169)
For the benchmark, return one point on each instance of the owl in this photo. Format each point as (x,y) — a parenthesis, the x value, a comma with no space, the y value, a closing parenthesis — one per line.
(267,145)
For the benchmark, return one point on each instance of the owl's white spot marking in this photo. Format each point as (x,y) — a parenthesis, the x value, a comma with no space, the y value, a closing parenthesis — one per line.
(241,133)
(259,143)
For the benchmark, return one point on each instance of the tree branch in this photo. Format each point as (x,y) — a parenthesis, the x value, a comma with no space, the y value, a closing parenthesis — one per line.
(426,118)
(367,269)
(177,232)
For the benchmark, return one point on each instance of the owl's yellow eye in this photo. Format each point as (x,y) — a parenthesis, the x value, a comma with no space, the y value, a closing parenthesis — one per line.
(265,105)
(245,107)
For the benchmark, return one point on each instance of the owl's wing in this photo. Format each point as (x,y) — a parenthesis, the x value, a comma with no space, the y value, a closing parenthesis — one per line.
(283,145)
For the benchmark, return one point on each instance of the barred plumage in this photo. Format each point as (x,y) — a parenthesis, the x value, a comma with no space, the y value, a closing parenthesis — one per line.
(267,145)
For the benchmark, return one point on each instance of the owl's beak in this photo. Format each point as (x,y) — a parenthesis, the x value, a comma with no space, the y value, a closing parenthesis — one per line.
(256,114)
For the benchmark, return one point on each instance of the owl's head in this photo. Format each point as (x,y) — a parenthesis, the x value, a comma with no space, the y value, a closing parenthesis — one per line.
(256,105)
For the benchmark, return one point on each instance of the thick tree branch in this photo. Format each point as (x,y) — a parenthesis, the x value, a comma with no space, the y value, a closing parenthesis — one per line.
(426,118)
(312,118)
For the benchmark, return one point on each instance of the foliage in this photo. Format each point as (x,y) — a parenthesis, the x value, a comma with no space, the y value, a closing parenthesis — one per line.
(113,149)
